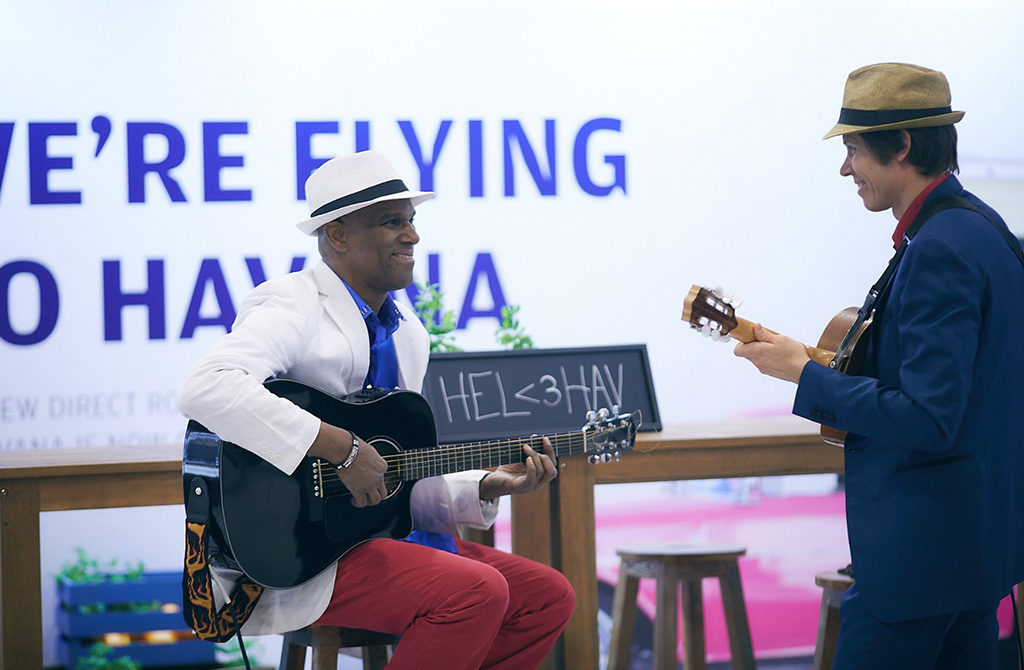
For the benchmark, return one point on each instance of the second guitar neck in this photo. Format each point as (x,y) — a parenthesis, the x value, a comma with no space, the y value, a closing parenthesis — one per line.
(744,332)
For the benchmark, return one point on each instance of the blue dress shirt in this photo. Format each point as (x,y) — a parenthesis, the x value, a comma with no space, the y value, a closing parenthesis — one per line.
(383,373)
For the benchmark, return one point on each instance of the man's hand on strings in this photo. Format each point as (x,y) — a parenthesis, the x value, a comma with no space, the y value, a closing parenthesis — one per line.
(537,470)
(364,478)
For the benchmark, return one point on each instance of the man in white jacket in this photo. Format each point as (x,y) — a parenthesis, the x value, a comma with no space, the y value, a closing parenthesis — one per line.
(334,326)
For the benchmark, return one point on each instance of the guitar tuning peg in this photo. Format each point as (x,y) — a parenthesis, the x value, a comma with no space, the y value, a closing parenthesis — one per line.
(705,330)
(736,302)
(615,410)
(602,413)
(606,457)
(618,454)
(593,459)
(591,417)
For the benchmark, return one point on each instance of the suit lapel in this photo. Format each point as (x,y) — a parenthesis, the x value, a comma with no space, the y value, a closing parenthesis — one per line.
(340,307)
(412,364)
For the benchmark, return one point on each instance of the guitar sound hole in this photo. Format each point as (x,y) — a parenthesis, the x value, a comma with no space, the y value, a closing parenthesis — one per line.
(393,481)
(391,453)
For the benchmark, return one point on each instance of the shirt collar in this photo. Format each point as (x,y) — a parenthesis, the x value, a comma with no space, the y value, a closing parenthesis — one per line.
(914,209)
(389,315)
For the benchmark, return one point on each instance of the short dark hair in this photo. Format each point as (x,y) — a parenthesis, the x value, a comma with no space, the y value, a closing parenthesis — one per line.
(932,149)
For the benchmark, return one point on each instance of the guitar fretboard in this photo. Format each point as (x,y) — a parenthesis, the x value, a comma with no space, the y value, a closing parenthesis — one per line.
(446,459)
(441,460)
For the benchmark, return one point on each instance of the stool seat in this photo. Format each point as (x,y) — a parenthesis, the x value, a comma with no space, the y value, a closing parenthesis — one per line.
(833,580)
(683,550)
(675,567)
(327,641)
(834,585)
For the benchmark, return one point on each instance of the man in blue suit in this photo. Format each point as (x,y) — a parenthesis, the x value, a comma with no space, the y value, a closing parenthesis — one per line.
(935,446)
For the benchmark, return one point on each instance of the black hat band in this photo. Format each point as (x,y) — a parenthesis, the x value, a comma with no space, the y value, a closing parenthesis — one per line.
(366,195)
(879,117)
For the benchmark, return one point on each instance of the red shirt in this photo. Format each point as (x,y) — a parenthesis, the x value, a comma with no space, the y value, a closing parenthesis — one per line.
(912,211)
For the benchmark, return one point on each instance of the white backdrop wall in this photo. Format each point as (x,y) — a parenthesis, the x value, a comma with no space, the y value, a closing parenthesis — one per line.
(671,143)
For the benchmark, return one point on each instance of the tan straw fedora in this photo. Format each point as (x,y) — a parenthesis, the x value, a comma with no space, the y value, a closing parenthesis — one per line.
(887,96)
(348,183)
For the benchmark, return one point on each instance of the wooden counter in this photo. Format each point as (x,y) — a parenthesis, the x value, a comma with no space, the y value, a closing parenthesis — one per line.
(555,525)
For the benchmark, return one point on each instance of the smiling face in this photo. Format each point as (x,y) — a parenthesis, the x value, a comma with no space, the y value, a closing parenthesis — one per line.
(373,249)
(879,185)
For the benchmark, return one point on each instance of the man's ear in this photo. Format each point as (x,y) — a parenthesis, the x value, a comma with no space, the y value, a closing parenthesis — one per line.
(334,235)
(901,155)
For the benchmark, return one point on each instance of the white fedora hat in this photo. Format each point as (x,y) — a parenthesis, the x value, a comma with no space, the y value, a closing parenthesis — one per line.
(348,183)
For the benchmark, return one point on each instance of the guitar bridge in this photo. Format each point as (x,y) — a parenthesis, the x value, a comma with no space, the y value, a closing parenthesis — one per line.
(318,478)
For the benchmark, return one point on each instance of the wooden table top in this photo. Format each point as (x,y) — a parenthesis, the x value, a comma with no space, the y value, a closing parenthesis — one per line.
(57,462)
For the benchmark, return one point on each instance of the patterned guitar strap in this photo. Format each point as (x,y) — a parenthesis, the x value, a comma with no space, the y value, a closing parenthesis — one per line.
(199,608)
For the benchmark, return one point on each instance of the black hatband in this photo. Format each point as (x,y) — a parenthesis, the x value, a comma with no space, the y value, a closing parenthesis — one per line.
(366,195)
(878,117)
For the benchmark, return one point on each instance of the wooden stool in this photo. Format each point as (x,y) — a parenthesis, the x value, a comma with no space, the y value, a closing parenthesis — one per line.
(834,585)
(327,641)
(674,566)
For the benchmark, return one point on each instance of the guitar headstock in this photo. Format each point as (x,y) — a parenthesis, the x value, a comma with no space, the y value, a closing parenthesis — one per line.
(608,434)
(710,311)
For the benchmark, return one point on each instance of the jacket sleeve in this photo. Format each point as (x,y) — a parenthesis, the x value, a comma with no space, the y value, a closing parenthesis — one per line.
(937,312)
(224,389)
(442,504)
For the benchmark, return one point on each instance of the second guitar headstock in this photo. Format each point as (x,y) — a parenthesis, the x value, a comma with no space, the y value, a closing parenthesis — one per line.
(710,311)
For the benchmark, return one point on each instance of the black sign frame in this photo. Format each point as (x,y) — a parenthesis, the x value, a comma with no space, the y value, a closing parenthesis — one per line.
(513,409)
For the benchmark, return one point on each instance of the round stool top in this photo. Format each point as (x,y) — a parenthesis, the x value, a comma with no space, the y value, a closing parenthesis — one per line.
(696,550)
(833,580)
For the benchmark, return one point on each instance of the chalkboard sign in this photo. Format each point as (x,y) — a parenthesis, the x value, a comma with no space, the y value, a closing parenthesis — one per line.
(495,394)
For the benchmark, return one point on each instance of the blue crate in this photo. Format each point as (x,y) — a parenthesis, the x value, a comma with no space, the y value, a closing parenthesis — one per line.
(189,652)
(78,631)
(162,586)
(77,624)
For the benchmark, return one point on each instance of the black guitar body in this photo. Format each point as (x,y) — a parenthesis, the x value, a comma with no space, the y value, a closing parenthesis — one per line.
(277,528)
(282,530)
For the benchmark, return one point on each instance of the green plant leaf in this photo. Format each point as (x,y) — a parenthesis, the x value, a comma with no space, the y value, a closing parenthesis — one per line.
(510,333)
(439,322)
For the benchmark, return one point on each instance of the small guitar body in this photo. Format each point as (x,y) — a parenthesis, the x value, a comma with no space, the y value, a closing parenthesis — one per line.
(282,530)
(846,360)
(839,347)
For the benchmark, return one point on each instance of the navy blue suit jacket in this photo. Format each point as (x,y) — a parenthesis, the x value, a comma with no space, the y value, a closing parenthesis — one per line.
(935,452)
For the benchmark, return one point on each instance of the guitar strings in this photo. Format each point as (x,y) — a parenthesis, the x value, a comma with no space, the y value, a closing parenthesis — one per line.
(475,450)
(419,461)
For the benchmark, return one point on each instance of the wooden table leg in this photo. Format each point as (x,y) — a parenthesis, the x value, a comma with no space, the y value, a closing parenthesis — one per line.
(531,525)
(577,558)
(21,611)
(531,538)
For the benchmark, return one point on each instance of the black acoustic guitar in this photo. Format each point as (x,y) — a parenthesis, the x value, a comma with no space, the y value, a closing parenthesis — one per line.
(839,347)
(281,530)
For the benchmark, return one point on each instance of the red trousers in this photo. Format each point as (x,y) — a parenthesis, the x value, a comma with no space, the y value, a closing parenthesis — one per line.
(481,608)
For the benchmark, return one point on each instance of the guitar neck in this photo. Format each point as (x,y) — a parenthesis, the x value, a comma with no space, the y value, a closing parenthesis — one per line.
(449,458)
(744,332)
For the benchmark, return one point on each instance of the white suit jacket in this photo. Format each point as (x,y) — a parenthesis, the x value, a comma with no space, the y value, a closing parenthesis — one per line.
(305,326)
